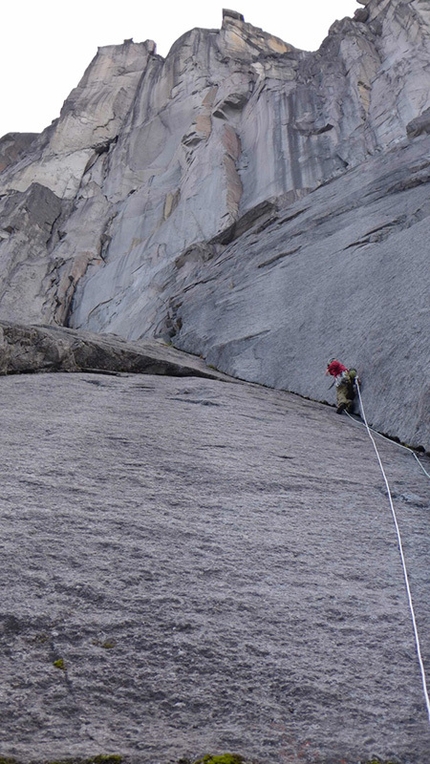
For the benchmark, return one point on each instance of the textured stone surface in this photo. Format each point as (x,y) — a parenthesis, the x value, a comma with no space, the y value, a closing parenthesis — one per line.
(342,273)
(217,567)
(156,166)
(13,146)
(29,349)
(216,564)
(90,120)
(27,222)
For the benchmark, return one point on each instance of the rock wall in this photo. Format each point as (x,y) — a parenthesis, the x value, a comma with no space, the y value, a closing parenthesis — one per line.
(173,180)
(345,272)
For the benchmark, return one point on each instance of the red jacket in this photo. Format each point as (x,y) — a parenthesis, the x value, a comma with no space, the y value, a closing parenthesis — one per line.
(335,368)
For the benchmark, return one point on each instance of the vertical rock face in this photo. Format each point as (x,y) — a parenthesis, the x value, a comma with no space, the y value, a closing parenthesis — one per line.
(27,219)
(90,120)
(156,165)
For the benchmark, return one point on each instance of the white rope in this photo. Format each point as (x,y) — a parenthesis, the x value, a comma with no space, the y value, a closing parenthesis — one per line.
(405,572)
(400,445)
(416,457)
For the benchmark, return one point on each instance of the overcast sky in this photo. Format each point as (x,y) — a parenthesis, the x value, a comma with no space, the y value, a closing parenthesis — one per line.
(47,44)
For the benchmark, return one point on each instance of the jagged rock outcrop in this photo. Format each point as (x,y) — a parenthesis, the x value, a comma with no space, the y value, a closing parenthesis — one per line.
(169,176)
(30,349)
(13,146)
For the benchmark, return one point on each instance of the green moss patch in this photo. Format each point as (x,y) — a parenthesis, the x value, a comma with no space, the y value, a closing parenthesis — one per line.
(222,758)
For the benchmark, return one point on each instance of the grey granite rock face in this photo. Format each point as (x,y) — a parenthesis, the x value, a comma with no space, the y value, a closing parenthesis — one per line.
(161,166)
(35,349)
(13,146)
(216,567)
(27,223)
(274,308)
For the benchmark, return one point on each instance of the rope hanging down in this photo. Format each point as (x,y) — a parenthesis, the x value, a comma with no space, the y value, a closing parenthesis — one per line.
(399,539)
(399,445)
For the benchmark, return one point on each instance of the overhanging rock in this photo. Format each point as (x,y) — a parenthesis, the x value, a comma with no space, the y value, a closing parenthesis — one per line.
(29,349)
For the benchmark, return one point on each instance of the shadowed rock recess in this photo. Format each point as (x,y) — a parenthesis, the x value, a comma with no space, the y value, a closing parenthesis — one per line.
(193,564)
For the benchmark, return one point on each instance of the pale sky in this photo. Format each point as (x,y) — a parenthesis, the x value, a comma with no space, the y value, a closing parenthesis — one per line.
(47,44)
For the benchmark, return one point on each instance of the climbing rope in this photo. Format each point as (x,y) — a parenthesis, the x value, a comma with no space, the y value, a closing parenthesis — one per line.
(399,445)
(400,544)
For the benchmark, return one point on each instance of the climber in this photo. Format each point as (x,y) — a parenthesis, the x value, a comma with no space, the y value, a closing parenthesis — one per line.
(344,379)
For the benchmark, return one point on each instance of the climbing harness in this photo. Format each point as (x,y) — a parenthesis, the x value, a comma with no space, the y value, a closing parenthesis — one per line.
(400,545)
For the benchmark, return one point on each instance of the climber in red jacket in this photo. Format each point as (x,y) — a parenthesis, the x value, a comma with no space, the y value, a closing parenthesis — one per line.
(344,379)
